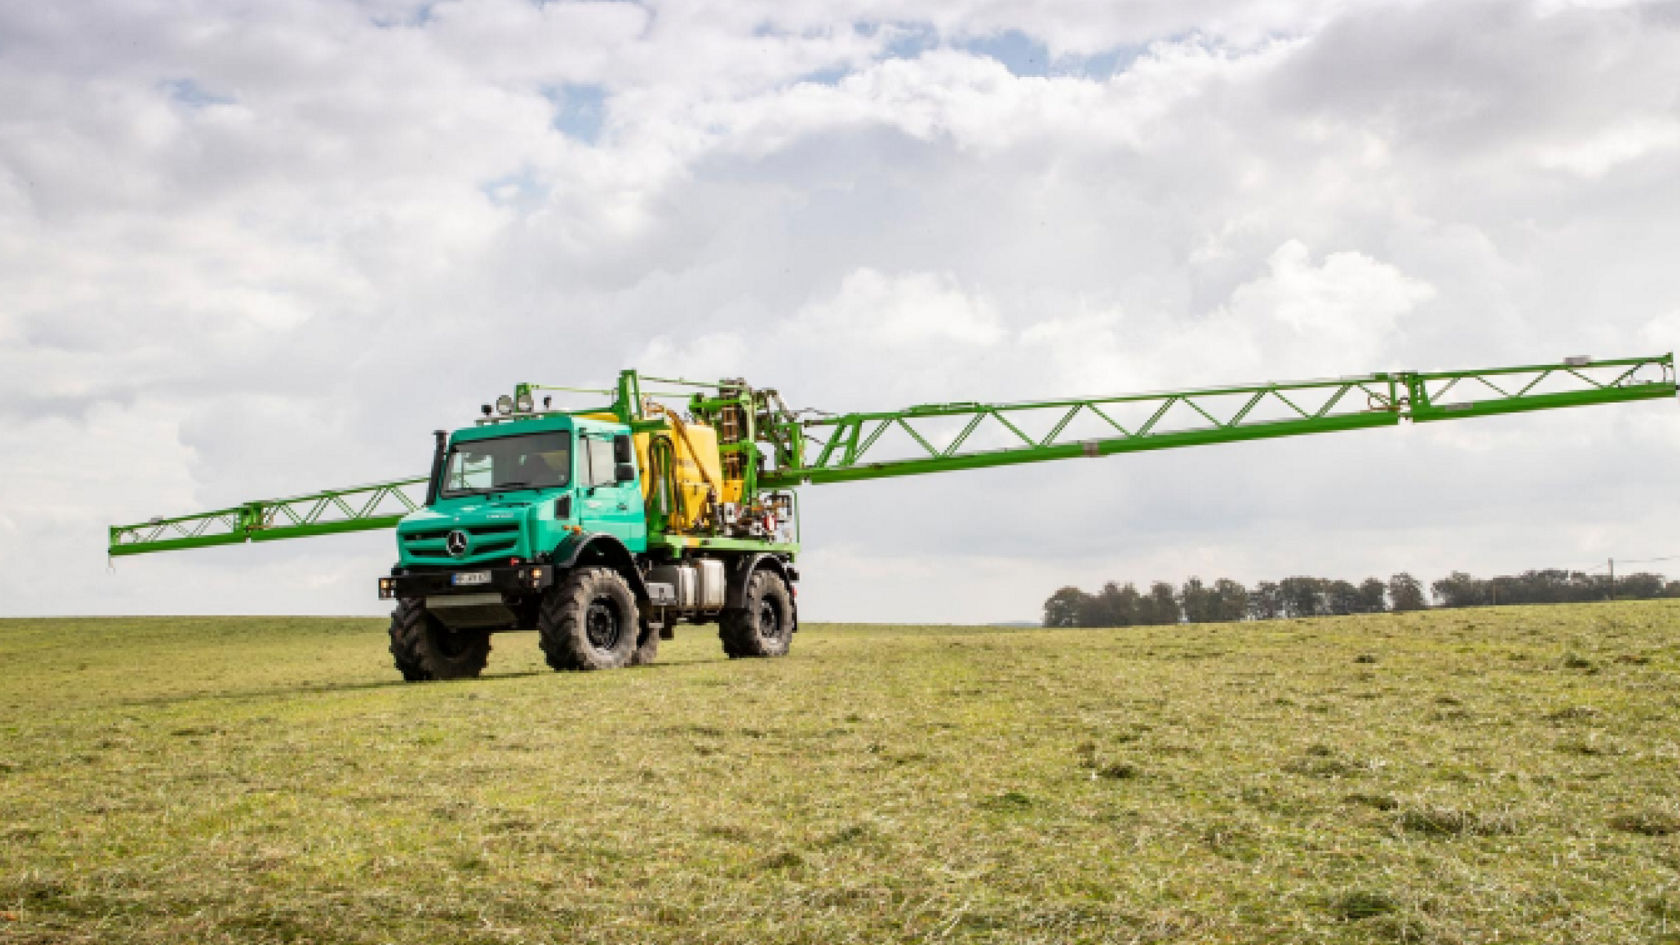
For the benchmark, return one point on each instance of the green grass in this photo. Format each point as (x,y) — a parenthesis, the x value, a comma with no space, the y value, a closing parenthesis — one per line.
(1507,775)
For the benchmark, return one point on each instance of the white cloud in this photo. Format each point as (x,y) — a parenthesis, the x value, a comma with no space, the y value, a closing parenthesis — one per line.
(1662,332)
(1298,319)
(908,310)
(265,248)
(1340,313)
(1626,141)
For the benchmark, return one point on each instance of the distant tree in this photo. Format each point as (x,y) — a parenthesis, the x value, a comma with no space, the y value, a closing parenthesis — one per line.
(1459,589)
(1340,597)
(1406,592)
(1373,594)
(1123,605)
(1230,600)
(1160,605)
(1563,586)
(1120,605)
(1265,602)
(1585,587)
(1544,587)
(1198,601)
(1639,586)
(1301,596)
(1094,612)
(1065,607)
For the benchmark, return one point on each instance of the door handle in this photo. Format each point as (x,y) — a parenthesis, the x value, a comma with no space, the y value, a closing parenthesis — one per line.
(623,506)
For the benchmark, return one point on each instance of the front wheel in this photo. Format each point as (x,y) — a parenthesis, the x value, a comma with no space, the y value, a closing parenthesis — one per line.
(763,624)
(424,648)
(647,645)
(589,621)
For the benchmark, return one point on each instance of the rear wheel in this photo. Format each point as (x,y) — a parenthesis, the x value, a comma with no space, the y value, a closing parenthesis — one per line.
(423,648)
(763,624)
(589,621)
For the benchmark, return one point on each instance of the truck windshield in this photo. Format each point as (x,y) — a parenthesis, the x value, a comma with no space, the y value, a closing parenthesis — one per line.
(525,461)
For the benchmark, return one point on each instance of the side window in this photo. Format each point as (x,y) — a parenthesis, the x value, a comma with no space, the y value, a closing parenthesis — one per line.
(600,462)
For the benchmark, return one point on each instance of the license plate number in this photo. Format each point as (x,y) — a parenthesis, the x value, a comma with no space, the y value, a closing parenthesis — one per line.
(469,577)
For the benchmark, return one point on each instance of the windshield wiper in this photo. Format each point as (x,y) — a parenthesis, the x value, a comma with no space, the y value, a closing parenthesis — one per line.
(512,485)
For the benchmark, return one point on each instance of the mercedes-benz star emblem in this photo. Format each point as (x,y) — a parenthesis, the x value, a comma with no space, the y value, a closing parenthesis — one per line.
(456,543)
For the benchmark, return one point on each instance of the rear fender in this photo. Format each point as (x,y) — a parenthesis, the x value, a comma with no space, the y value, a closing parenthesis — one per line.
(735,595)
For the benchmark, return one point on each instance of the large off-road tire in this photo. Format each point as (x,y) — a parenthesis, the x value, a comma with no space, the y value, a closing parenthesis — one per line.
(763,625)
(589,621)
(424,648)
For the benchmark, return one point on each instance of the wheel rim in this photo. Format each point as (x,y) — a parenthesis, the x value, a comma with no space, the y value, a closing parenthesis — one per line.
(602,625)
(769,620)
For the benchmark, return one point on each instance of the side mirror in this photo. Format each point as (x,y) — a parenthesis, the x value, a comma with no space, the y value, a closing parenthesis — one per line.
(623,451)
(623,472)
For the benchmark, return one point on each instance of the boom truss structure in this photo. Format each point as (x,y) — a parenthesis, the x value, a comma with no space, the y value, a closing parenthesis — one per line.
(782,450)
(327,512)
(942,437)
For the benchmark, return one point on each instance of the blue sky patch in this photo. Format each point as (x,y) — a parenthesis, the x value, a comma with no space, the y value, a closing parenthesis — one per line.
(912,40)
(522,191)
(188,92)
(579,111)
(1021,54)
(827,76)
(417,18)
(1025,55)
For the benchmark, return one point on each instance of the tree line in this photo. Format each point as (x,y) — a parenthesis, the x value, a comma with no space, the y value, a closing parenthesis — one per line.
(1124,605)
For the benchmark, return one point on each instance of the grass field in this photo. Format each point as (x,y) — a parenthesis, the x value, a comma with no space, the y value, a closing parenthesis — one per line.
(1508,775)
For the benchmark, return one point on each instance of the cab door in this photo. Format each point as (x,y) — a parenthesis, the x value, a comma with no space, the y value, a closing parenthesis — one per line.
(609,503)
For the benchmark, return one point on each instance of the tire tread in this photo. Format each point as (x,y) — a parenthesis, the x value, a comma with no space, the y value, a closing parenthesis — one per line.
(561,627)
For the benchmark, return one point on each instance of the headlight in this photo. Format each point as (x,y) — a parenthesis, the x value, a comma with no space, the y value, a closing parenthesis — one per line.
(525,403)
(504,405)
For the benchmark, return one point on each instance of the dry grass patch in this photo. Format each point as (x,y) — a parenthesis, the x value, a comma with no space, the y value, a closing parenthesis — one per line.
(1503,775)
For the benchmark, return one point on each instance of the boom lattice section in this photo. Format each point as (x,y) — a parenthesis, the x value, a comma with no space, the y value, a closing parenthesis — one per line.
(327,512)
(940,437)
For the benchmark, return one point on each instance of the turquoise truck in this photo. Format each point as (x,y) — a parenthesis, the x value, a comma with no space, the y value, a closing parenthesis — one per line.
(542,520)
(605,527)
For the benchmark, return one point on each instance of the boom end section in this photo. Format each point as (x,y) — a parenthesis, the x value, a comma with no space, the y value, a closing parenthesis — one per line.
(328,512)
(1575,382)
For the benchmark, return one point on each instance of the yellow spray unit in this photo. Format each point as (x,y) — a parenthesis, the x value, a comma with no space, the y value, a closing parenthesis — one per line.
(686,475)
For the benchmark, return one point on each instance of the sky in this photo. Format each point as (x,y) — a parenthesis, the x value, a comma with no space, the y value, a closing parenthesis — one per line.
(251,249)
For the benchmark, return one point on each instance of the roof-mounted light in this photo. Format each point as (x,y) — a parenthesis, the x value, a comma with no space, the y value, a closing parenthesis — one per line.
(504,405)
(524,403)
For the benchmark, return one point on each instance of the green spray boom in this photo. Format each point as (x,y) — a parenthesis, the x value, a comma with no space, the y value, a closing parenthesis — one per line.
(778,448)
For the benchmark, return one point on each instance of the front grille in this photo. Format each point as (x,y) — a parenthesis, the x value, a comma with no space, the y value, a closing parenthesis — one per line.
(482,540)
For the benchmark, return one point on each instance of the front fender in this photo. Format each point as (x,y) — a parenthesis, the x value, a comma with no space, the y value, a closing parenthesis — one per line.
(583,549)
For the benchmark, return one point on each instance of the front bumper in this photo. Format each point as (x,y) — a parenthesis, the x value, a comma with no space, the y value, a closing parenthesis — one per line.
(519,579)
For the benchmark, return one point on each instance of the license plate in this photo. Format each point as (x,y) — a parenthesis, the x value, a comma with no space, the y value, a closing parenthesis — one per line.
(469,577)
